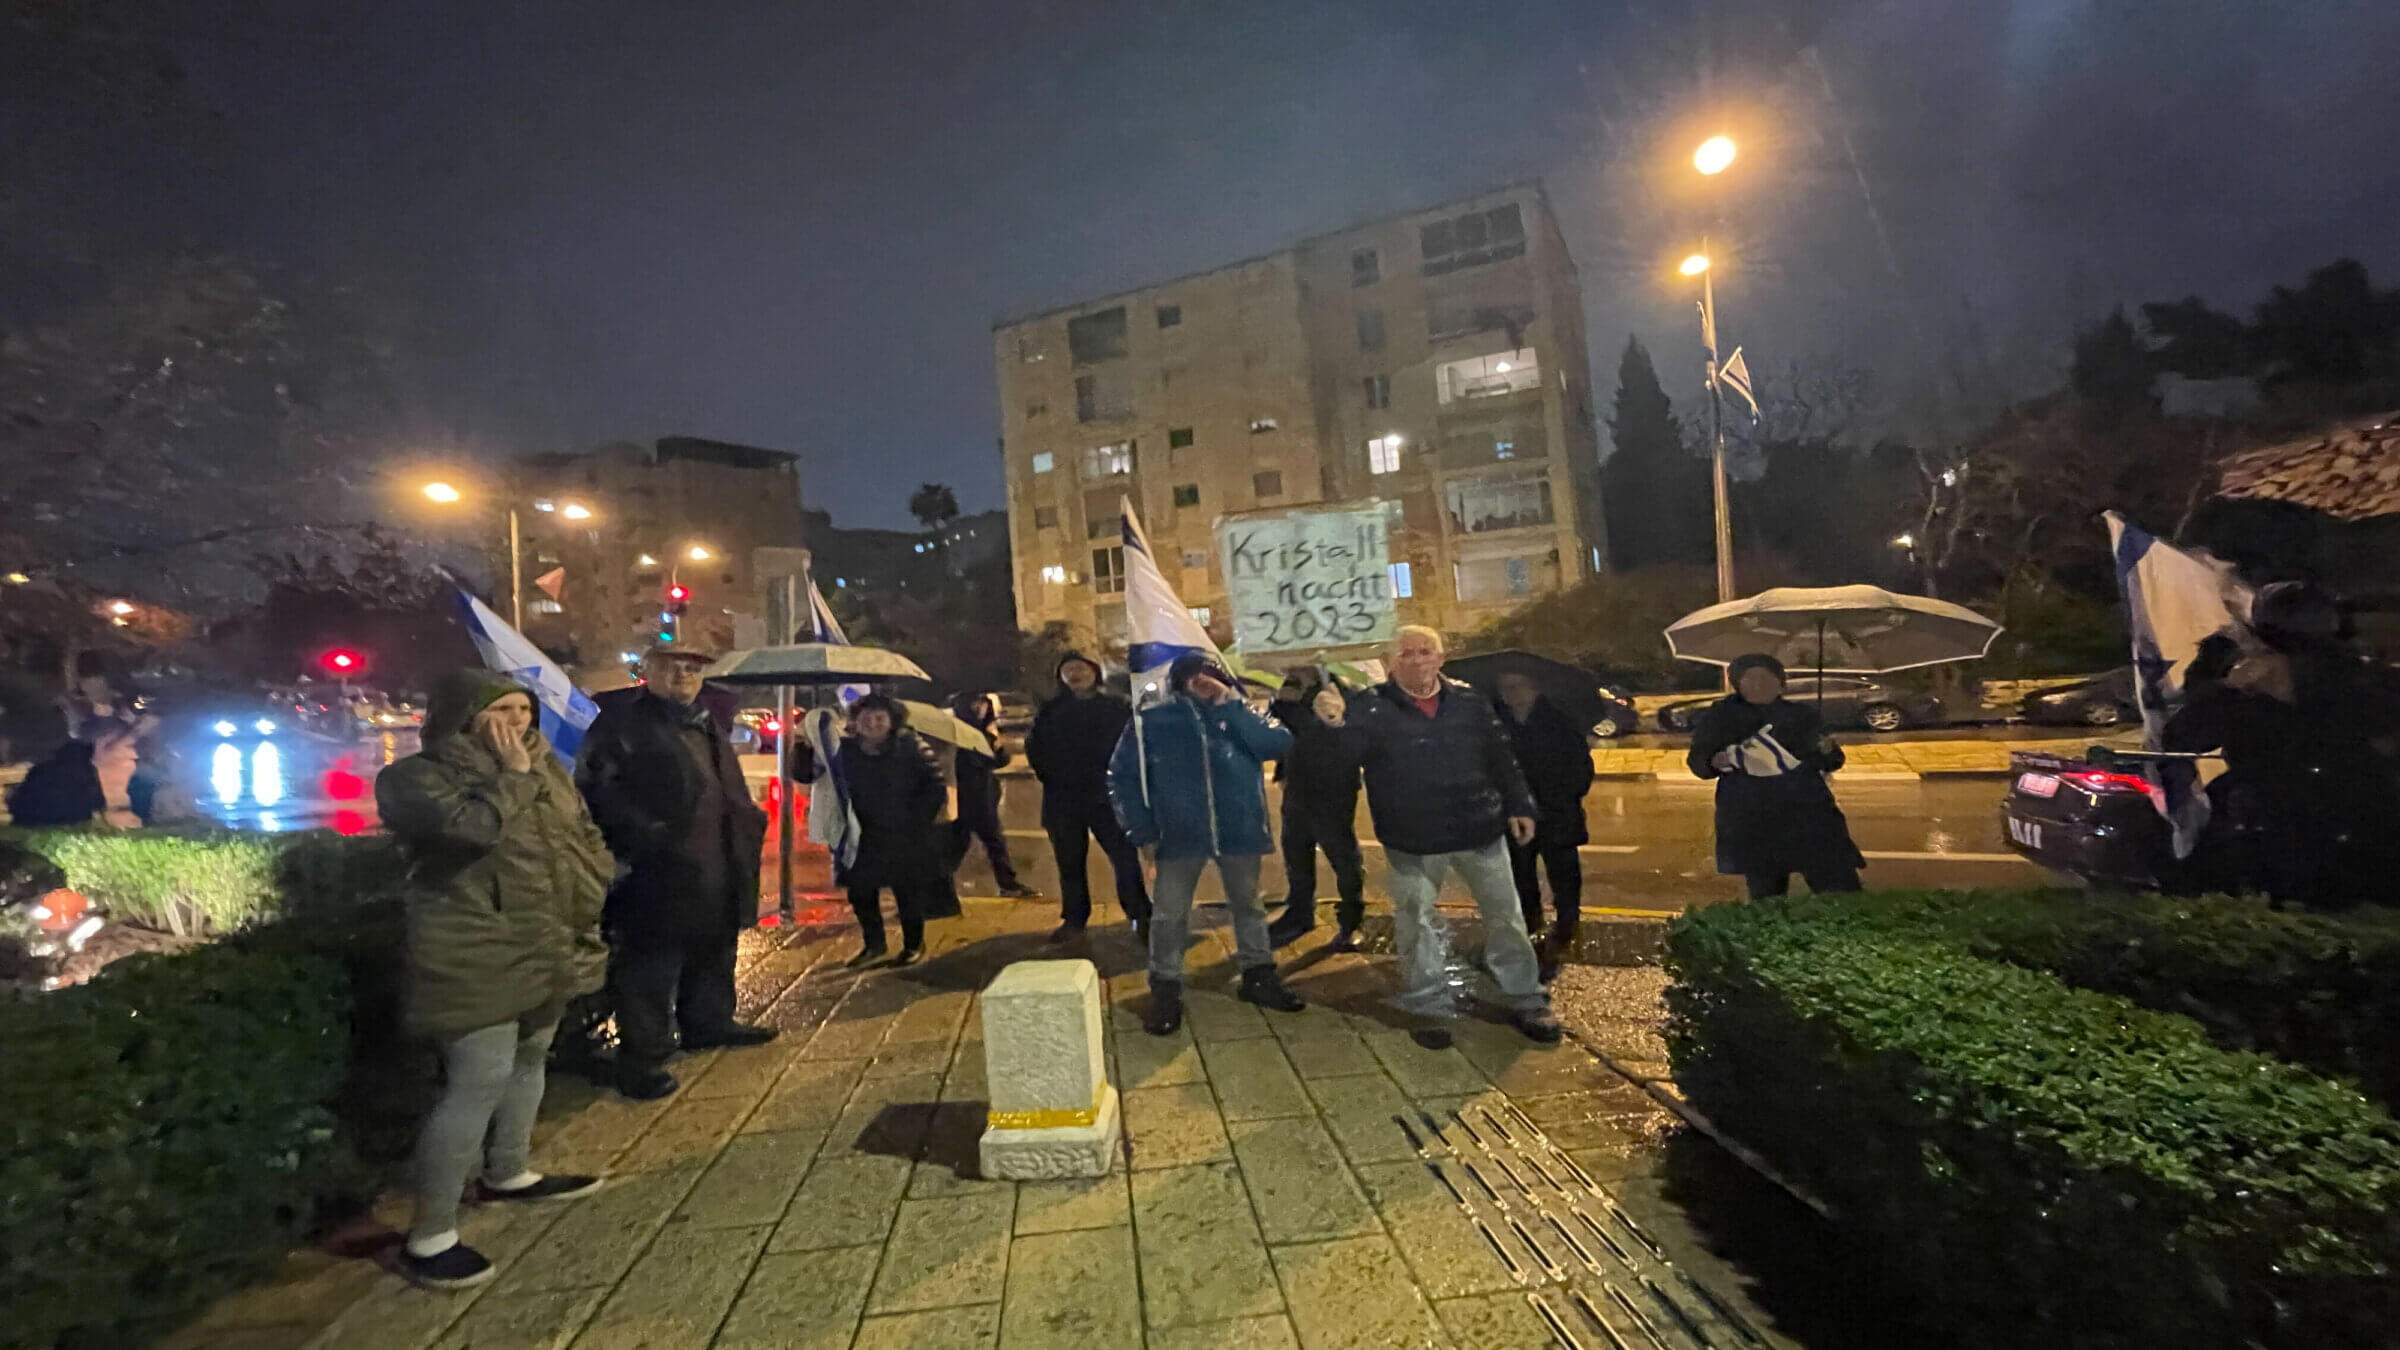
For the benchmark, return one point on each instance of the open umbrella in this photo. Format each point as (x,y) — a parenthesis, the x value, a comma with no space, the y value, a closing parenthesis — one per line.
(1575,692)
(943,725)
(1851,630)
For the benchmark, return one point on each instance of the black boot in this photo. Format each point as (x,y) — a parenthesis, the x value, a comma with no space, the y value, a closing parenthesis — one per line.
(1551,951)
(1262,986)
(1293,924)
(1166,1008)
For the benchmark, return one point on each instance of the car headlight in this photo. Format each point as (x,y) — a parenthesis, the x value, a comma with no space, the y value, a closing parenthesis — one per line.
(226,728)
(266,726)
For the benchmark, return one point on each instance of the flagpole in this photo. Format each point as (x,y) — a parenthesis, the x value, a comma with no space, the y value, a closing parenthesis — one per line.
(516,577)
(1716,432)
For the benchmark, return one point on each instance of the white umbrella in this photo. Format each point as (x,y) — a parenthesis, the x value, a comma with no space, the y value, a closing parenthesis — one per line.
(813,663)
(1856,630)
(941,724)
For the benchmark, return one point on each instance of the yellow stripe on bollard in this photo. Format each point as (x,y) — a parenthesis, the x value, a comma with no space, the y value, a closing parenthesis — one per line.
(1046,1120)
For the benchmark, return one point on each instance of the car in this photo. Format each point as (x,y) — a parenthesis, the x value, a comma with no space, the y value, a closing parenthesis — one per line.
(2088,819)
(1618,716)
(1850,702)
(2102,701)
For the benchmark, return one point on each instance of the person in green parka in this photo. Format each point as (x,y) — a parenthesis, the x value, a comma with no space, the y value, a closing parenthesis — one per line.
(506,879)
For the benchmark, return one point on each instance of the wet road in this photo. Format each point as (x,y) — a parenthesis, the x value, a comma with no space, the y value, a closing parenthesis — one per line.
(290,781)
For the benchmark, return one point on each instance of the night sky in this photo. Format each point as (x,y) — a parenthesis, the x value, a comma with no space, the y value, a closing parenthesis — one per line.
(793,224)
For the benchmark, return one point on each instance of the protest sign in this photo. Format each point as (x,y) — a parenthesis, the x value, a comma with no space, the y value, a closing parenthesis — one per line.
(1305,580)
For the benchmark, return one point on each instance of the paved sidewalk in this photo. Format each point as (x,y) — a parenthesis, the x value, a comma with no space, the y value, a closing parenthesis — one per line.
(819,1192)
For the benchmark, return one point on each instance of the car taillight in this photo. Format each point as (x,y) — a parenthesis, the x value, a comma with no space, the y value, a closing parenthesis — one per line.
(2101,780)
(771,726)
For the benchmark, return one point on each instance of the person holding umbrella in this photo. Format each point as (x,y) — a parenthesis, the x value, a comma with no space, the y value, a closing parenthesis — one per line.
(894,785)
(1768,756)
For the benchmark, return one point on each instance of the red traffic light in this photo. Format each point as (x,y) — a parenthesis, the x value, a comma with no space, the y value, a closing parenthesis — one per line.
(343,661)
(679,593)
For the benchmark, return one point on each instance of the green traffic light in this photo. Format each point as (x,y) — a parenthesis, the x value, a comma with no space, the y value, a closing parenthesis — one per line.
(665,636)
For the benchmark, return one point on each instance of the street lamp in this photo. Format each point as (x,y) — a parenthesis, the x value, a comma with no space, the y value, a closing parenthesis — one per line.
(698,553)
(1694,265)
(1714,156)
(448,495)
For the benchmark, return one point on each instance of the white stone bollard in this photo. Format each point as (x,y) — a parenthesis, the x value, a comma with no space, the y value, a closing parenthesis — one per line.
(1053,1111)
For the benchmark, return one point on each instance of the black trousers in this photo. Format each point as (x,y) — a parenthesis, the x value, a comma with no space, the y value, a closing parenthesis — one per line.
(867,903)
(1072,825)
(660,987)
(981,820)
(1822,880)
(1304,832)
(1565,867)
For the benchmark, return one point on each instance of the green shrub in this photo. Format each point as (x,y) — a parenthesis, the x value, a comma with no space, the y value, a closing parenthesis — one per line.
(216,881)
(2049,1165)
(165,1135)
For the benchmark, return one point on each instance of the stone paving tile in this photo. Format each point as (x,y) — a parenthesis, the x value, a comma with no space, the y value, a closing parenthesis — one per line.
(692,1130)
(1523,1069)
(1253,1080)
(1624,1040)
(844,1201)
(609,1125)
(847,1037)
(1175,1126)
(292,1337)
(935,1178)
(538,1321)
(1144,1060)
(945,1253)
(309,1289)
(1297,1181)
(675,1296)
(1334,1052)
(801,1301)
(1439,1243)
(1421,1072)
(1071,1290)
(932,1017)
(1246,1333)
(1358,1112)
(810,1094)
(1083,1202)
(752,1180)
(1502,1321)
(797,1015)
(1354,1294)
(890,1116)
(597,1238)
(1576,1120)
(1213,1016)
(1201,1256)
(746,1073)
(940,1329)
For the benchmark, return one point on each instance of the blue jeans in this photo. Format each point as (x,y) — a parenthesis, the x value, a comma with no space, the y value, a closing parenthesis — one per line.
(1171,913)
(1425,984)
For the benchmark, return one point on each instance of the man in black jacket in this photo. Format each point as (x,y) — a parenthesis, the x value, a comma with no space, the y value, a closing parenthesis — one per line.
(1558,768)
(1069,747)
(979,798)
(667,791)
(1320,810)
(1446,795)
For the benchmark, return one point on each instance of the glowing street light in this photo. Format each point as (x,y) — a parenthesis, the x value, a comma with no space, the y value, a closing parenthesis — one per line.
(1714,156)
(121,608)
(576,511)
(647,561)
(1904,541)
(699,553)
(441,492)
(1693,265)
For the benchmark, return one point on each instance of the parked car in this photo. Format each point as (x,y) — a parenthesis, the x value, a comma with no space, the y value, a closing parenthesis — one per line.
(1850,702)
(2091,819)
(1618,717)
(2103,701)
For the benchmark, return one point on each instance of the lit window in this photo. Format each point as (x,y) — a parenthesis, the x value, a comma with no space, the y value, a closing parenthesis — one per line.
(1107,461)
(1403,585)
(1055,575)
(1492,376)
(1383,454)
(1504,449)
(548,607)
(1378,390)
(1187,494)
(1108,570)
(1199,615)
(1260,426)
(1481,505)
(1044,462)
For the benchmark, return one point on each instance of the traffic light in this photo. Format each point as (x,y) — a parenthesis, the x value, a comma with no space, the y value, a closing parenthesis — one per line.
(343,663)
(670,619)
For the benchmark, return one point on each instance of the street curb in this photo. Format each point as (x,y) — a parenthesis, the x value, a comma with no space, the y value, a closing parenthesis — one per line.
(1626,776)
(1992,775)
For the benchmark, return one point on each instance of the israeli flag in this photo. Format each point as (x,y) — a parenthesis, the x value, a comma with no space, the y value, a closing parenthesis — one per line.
(565,711)
(822,626)
(2174,600)
(1159,627)
(832,822)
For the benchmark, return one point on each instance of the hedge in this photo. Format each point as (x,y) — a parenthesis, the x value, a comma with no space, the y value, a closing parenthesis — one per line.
(199,882)
(2048,1165)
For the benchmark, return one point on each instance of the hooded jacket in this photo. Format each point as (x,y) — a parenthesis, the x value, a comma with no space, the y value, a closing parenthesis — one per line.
(507,873)
(1775,813)
(897,794)
(1071,741)
(1441,784)
(681,822)
(1193,782)
(1558,768)
(978,783)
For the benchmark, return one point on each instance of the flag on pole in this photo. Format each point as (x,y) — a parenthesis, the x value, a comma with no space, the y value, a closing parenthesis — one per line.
(1159,627)
(832,822)
(823,627)
(1736,376)
(1708,329)
(2174,600)
(564,710)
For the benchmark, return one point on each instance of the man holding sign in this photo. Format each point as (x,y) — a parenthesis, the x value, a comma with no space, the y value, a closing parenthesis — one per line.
(1446,795)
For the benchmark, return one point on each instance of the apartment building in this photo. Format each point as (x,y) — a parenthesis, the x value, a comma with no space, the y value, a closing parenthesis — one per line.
(1434,359)
(722,520)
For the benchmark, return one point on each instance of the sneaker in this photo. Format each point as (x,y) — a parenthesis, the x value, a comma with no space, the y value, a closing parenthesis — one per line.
(646,1085)
(908,956)
(1262,986)
(1432,1038)
(457,1266)
(1166,1008)
(1289,928)
(1345,940)
(866,957)
(732,1036)
(1540,1025)
(547,1188)
(1018,892)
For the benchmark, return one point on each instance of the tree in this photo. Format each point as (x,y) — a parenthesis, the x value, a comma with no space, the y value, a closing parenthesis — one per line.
(934,505)
(2336,329)
(2113,369)
(378,600)
(1654,492)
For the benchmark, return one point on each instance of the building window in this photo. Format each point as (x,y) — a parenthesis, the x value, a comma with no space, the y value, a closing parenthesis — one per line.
(1045,517)
(1370,330)
(1366,267)
(1179,438)
(1170,316)
(1107,461)
(1055,574)
(1097,337)
(1488,581)
(1268,483)
(1383,454)
(1187,494)
(1520,577)
(1194,558)
(1200,614)
(1471,240)
(1378,389)
(548,606)
(1108,570)
(1028,348)
(1503,449)
(1482,505)
(1098,526)
(1494,376)
(1260,426)
(1044,462)
(1036,408)
(1404,584)
(1099,399)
